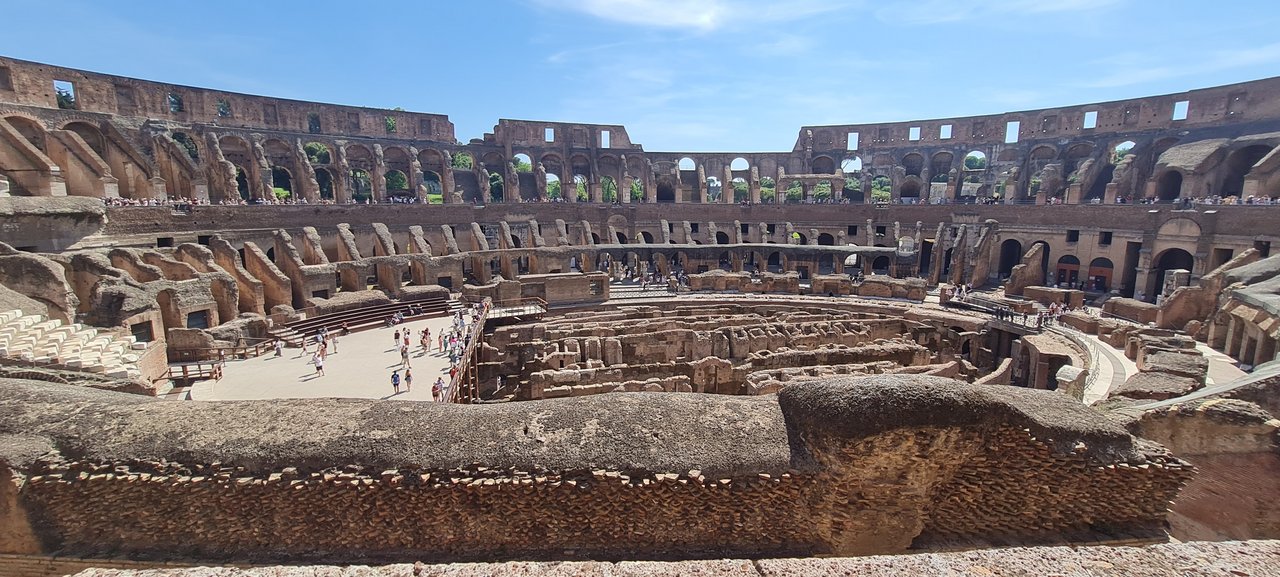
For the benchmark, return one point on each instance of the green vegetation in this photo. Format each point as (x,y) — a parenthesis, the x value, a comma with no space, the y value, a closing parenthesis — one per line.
(396,180)
(975,162)
(1121,151)
(608,190)
(188,144)
(822,191)
(522,166)
(463,160)
(390,123)
(496,187)
(637,191)
(741,191)
(795,192)
(553,189)
(316,153)
(66,99)
(280,193)
(435,199)
(881,189)
(580,182)
(768,190)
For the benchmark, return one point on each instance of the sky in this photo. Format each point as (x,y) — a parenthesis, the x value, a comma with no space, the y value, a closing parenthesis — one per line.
(680,75)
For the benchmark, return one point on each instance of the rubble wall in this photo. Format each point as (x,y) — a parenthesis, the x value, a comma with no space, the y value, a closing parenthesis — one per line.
(842,466)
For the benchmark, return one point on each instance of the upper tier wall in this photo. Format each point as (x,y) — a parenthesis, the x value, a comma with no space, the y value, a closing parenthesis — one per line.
(31,84)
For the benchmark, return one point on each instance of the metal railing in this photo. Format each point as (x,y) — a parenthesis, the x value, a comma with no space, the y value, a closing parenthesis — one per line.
(466,373)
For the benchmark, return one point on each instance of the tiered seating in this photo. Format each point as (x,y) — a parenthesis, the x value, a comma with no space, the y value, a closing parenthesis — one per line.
(363,317)
(36,339)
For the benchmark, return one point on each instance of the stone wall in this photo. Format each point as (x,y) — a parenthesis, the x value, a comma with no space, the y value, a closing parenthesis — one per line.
(824,468)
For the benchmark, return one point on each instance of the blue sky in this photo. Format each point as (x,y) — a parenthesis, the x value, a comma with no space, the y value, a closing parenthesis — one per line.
(709,75)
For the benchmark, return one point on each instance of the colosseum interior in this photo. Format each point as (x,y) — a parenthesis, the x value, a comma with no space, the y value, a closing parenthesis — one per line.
(991,336)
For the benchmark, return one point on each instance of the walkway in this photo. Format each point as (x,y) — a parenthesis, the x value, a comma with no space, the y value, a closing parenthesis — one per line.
(1113,369)
(360,369)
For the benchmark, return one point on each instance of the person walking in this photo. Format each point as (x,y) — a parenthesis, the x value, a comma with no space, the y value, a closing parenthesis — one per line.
(437,390)
(318,360)
(408,380)
(395,381)
(404,356)
(396,339)
(279,346)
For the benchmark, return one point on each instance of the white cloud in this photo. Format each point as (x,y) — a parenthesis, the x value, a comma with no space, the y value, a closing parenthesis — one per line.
(702,16)
(940,11)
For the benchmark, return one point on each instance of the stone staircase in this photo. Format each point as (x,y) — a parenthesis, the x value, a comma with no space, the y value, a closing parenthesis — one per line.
(42,341)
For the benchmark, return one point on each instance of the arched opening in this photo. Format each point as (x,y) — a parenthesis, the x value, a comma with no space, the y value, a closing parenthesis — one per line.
(622,238)
(514,240)
(281,183)
(1122,150)
(324,179)
(1239,163)
(608,189)
(909,192)
(1010,256)
(1099,275)
(30,130)
(800,238)
(646,237)
(739,163)
(361,185)
(666,189)
(940,166)
(1099,188)
(522,162)
(851,165)
(317,153)
(880,265)
(822,191)
(975,160)
(913,163)
(774,262)
(580,185)
(242,184)
(826,263)
(463,160)
(92,136)
(497,187)
(741,190)
(824,165)
(713,189)
(435,194)
(825,239)
(554,191)
(721,237)
(1172,259)
(1068,275)
(1169,186)
(725,262)
(397,183)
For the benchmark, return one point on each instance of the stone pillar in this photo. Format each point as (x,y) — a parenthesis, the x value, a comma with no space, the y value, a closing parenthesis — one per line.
(726,186)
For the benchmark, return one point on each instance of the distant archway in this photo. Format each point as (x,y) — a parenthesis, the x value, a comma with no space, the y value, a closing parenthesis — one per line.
(1239,163)
(666,189)
(721,237)
(1169,186)
(324,179)
(1172,259)
(825,239)
(281,183)
(1010,256)
(1100,270)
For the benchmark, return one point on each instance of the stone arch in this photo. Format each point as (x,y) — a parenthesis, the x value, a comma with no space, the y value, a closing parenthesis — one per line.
(282,180)
(431,160)
(493,162)
(823,165)
(609,189)
(913,164)
(1100,271)
(1239,163)
(739,164)
(1169,185)
(396,183)
(1010,256)
(666,188)
(521,159)
(1171,259)
(1068,270)
(774,262)
(324,179)
(826,239)
(1184,228)
(940,166)
(880,265)
(361,185)
(31,130)
(318,153)
(722,237)
(92,135)
(975,160)
(910,190)
(242,184)
(435,187)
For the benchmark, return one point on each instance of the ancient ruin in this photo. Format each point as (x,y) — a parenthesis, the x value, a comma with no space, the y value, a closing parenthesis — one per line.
(868,344)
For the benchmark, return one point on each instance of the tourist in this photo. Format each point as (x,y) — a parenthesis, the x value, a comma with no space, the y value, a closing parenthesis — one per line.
(318,360)
(346,330)
(404,356)
(437,390)
(279,346)
(395,381)
(408,380)
(396,340)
